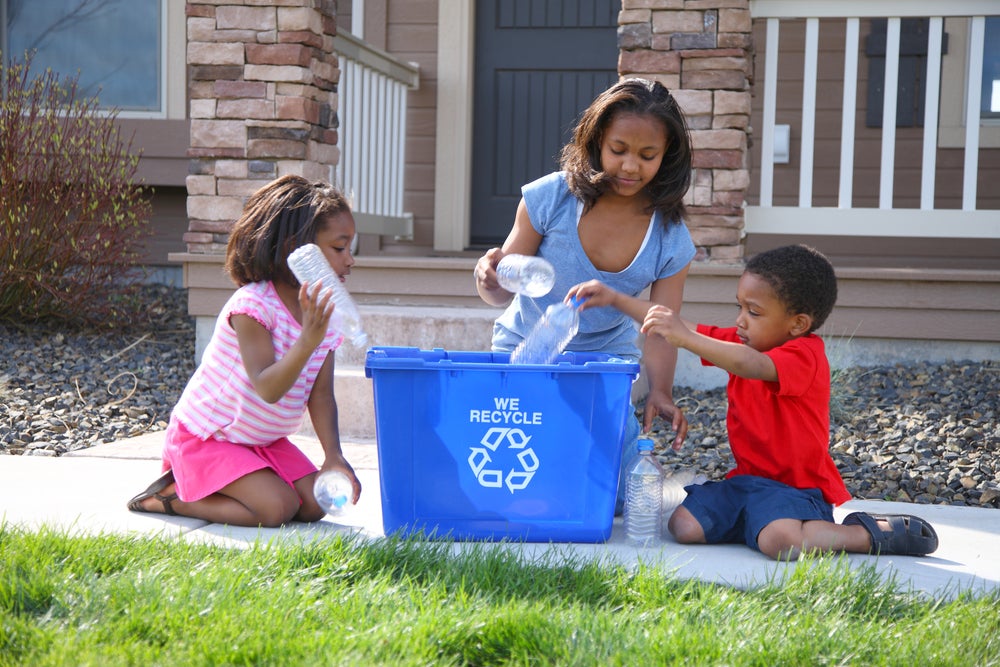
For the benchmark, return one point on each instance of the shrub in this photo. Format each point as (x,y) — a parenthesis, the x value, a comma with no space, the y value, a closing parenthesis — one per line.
(71,213)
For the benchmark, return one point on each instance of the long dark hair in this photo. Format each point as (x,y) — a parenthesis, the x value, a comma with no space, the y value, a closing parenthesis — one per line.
(581,157)
(277,219)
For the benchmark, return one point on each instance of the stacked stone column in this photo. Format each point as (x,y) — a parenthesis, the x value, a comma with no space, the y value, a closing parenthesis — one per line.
(702,51)
(262,93)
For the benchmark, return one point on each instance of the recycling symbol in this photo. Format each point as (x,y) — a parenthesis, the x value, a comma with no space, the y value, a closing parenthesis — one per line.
(514,479)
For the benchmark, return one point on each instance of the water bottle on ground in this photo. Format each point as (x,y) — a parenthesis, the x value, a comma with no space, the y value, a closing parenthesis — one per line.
(673,487)
(310,266)
(552,333)
(333,491)
(673,490)
(526,274)
(643,497)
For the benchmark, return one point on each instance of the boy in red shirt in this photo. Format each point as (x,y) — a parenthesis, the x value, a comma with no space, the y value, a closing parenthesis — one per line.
(779,498)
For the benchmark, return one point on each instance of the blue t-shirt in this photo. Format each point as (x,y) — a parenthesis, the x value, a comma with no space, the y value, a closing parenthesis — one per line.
(555,213)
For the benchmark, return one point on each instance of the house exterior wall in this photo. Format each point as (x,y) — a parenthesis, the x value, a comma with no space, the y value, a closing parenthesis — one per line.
(873,251)
(703,51)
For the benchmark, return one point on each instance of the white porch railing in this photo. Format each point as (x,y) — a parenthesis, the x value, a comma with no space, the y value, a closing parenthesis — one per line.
(372,111)
(846,219)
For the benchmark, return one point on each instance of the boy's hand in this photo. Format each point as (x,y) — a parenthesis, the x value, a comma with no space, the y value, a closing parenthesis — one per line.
(592,293)
(659,405)
(665,323)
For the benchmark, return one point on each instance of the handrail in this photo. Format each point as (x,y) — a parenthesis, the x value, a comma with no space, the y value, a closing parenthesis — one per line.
(371,109)
(807,218)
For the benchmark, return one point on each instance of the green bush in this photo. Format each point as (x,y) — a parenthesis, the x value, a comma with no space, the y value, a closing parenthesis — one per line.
(72,215)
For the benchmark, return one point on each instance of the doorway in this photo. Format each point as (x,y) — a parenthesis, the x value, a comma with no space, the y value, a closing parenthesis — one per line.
(538,64)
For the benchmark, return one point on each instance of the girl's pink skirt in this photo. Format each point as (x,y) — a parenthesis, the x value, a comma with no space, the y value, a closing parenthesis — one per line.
(202,467)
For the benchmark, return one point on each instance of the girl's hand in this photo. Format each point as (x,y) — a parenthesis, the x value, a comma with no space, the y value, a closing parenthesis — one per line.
(341,465)
(486,270)
(592,293)
(317,307)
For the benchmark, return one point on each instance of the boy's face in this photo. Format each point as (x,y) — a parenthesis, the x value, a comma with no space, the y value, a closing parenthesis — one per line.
(334,239)
(763,321)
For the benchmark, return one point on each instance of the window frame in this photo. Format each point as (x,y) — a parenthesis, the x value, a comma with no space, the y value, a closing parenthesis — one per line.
(954,79)
(172,76)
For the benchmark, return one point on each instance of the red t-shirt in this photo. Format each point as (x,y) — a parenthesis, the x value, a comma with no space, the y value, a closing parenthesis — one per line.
(781,430)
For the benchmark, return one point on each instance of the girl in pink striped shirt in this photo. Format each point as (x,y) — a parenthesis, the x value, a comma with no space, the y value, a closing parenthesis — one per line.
(227,457)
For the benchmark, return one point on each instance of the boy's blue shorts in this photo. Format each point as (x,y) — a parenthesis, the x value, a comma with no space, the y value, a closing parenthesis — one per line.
(736,509)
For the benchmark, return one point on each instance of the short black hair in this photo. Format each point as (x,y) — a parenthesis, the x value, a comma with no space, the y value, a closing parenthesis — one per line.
(802,278)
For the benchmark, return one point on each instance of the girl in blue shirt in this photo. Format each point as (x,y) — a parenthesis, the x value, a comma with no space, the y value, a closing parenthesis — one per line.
(613,213)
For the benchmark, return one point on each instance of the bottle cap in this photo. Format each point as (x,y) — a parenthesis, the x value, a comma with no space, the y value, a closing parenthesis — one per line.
(646,444)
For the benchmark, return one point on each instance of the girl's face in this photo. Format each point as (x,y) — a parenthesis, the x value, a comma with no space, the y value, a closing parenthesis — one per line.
(632,149)
(334,238)
(764,322)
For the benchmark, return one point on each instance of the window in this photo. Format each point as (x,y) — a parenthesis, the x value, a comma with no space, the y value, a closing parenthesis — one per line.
(115,46)
(991,69)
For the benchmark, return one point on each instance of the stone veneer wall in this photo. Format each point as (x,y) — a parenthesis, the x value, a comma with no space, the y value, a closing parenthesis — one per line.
(262,92)
(702,50)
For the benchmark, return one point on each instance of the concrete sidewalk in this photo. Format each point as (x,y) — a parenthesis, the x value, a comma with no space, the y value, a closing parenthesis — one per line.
(85,493)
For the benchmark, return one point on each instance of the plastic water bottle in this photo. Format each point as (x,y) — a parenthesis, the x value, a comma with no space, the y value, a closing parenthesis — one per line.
(310,266)
(333,491)
(673,487)
(643,497)
(526,274)
(552,333)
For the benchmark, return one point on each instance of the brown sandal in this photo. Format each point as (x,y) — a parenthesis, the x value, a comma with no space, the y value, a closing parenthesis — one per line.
(153,491)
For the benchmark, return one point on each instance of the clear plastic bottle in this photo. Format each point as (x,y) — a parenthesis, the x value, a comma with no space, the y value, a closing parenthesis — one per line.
(526,274)
(643,497)
(552,333)
(333,491)
(310,266)
(673,487)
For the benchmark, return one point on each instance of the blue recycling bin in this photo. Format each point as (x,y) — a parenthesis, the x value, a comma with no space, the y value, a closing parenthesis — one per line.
(472,447)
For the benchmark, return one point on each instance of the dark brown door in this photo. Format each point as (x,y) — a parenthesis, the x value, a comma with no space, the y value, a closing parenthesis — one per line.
(539,63)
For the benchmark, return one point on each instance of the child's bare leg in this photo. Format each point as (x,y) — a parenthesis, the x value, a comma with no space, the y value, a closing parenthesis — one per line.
(258,499)
(787,539)
(310,510)
(685,528)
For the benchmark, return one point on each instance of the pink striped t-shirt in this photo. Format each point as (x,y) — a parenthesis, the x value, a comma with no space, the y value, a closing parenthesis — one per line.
(219,401)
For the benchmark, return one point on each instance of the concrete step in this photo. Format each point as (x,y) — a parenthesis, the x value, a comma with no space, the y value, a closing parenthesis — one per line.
(423,327)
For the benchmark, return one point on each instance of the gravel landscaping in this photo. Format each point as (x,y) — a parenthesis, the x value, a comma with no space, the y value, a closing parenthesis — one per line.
(926,433)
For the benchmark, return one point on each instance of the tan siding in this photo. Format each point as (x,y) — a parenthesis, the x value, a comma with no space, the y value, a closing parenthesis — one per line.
(873,303)
(411,35)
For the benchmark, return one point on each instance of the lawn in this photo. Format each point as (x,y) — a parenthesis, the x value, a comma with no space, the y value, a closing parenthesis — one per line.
(128,600)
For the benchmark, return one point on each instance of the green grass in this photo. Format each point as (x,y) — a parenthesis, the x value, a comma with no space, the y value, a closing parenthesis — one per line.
(126,600)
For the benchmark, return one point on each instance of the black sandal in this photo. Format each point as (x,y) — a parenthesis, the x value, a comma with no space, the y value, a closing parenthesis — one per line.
(910,535)
(153,491)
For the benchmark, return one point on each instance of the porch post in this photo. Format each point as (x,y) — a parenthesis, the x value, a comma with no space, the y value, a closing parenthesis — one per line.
(262,88)
(702,51)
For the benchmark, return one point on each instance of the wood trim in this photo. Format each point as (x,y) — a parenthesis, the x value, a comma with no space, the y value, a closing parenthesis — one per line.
(453,135)
(867,8)
(909,223)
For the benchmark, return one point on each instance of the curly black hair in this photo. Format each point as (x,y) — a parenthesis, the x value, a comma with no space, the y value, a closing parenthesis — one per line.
(581,157)
(802,277)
